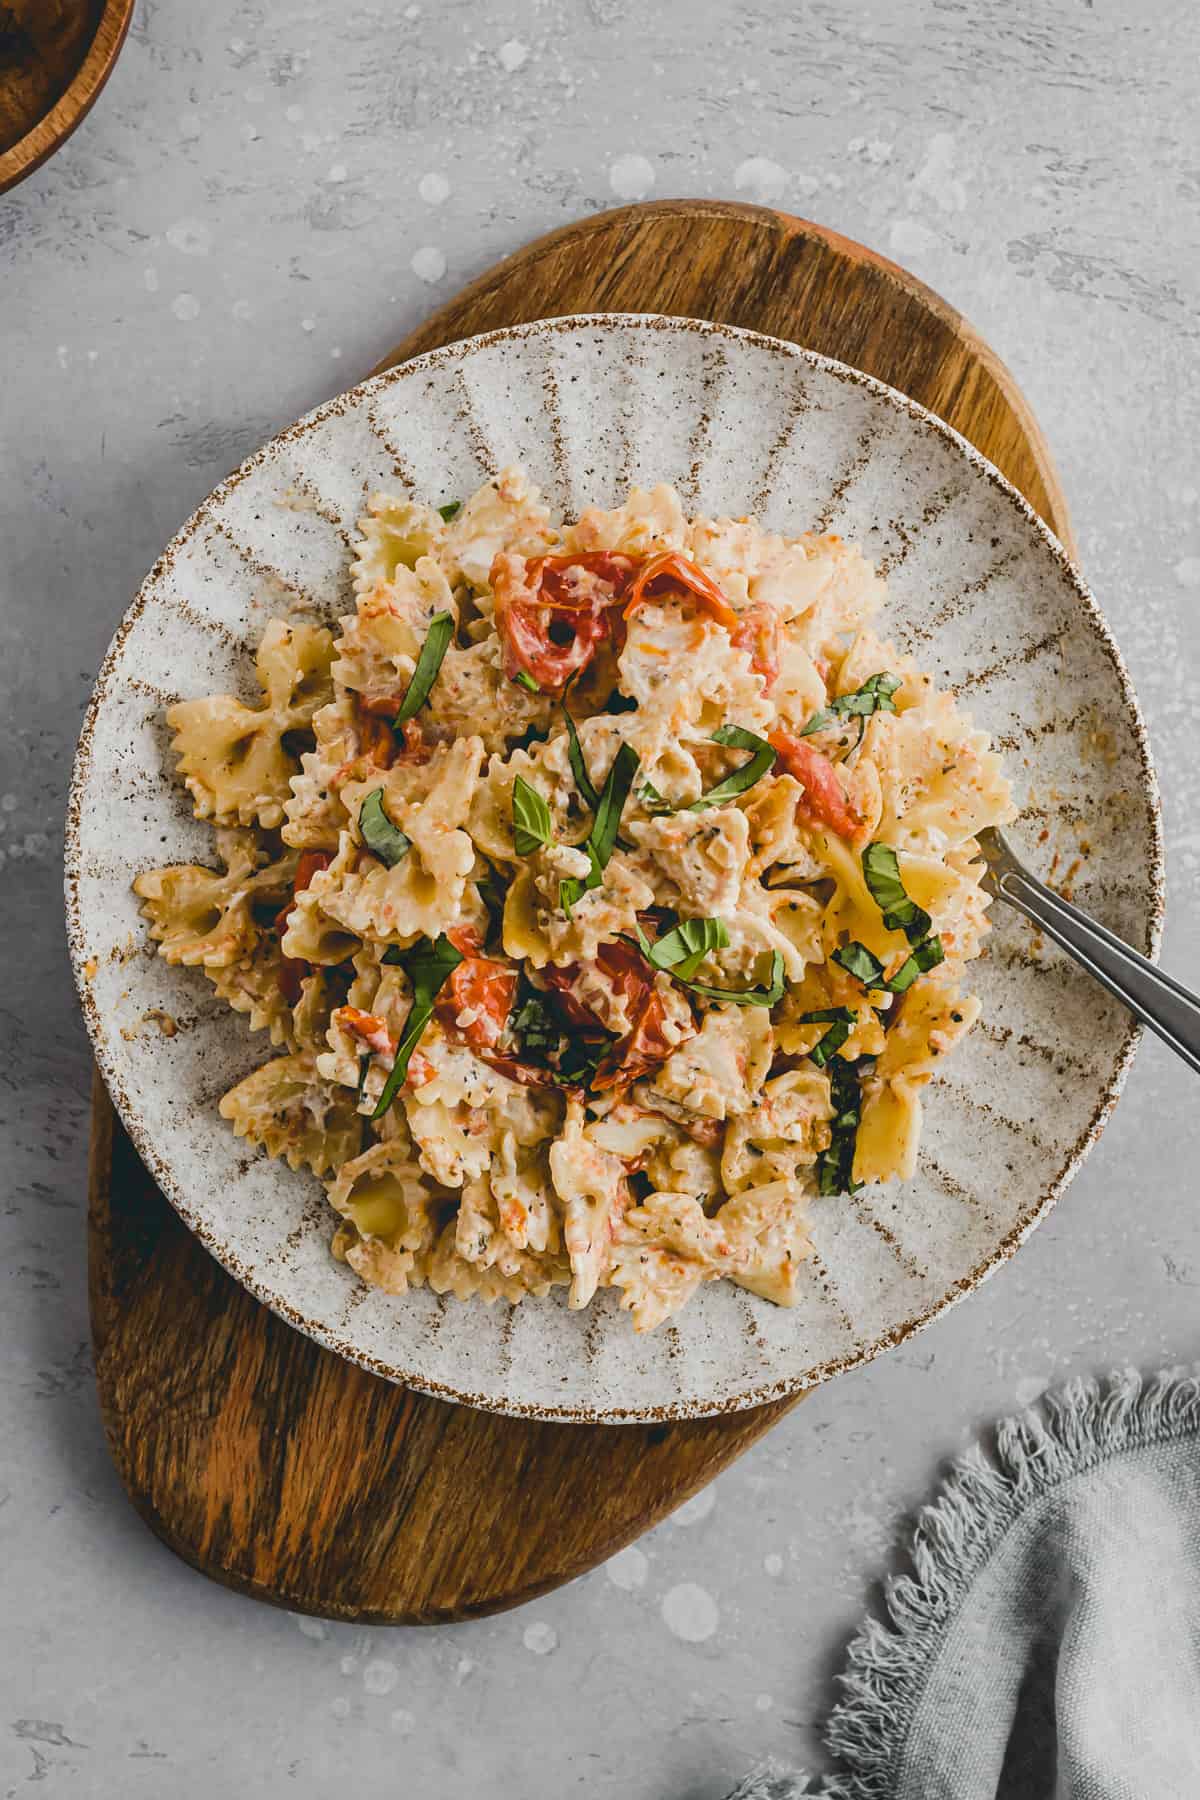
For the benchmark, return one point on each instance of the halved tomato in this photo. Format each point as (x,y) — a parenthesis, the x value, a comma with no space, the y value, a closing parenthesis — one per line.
(670,571)
(824,802)
(552,611)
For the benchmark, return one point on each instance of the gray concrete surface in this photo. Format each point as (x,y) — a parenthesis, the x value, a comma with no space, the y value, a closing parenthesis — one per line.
(266,197)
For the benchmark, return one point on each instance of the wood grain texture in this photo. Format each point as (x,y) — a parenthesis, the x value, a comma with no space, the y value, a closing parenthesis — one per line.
(271,1464)
(55,56)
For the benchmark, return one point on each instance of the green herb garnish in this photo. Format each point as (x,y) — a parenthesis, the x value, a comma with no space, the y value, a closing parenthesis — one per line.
(524,679)
(437,641)
(451,510)
(841,1021)
(428,965)
(583,780)
(532,825)
(835,1166)
(873,696)
(364,1069)
(927,955)
(649,797)
(602,838)
(857,960)
(760,764)
(768,996)
(881,870)
(683,949)
(382,838)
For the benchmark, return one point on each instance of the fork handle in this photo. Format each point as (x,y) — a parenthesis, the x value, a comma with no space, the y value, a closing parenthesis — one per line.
(1162,1004)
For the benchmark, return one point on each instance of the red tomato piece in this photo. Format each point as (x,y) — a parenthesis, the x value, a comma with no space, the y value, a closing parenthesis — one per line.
(293,970)
(481,987)
(639,1050)
(758,631)
(367,1028)
(669,571)
(552,611)
(824,802)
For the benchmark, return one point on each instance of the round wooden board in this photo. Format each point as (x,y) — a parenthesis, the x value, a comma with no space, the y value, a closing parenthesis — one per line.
(269,1463)
(50,76)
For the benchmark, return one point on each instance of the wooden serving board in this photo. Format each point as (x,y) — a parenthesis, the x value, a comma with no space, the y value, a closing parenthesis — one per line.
(271,1464)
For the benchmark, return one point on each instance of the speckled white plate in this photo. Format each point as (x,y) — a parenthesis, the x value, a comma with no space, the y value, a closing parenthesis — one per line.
(980,592)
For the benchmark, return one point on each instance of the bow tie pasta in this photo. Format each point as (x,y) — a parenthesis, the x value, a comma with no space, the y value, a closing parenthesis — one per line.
(606,889)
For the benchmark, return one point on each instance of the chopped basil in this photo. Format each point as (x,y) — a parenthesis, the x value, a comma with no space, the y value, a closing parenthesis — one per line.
(433,650)
(649,797)
(532,825)
(857,960)
(873,696)
(682,950)
(451,510)
(583,780)
(382,838)
(881,870)
(835,1166)
(524,679)
(569,1058)
(760,764)
(927,955)
(767,996)
(841,1021)
(428,965)
(603,836)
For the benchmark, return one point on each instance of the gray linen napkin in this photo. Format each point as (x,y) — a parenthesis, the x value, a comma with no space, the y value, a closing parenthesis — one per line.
(1047,1644)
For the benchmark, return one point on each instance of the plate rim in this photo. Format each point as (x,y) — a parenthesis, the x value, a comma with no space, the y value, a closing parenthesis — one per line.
(160,1169)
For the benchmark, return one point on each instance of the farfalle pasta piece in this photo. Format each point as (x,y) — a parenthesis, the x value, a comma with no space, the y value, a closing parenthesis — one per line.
(663,1249)
(393,534)
(507,514)
(380,642)
(933,1018)
(232,757)
(205,917)
(449,1272)
(286,1108)
(782,1136)
(646,523)
(718,1073)
(593,1192)
(388,1198)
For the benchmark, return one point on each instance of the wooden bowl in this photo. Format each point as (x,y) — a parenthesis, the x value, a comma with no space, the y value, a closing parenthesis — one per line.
(55,56)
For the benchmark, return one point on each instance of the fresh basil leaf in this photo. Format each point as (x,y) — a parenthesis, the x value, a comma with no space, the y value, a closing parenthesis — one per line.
(524,679)
(768,996)
(927,955)
(682,950)
(603,836)
(827,1047)
(649,797)
(451,510)
(741,780)
(857,960)
(828,1015)
(835,1165)
(427,964)
(875,695)
(881,871)
(382,838)
(533,1027)
(532,825)
(583,780)
(433,650)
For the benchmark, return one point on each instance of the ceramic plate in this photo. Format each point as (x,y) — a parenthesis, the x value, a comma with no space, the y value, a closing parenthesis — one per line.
(983,596)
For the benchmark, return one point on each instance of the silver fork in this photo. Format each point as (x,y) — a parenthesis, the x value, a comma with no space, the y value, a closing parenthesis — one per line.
(1162,1004)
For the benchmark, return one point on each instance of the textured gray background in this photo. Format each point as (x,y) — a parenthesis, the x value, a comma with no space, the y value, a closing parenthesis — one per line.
(266,197)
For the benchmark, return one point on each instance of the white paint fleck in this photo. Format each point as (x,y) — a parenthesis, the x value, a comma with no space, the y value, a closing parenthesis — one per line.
(762,179)
(773,1563)
(340,1708)
(540,1638)
(250,133)
(308,324)
(690,1612)
(349,1665)
(631,176)
(336,352)
(628,1569)
(429,264)
(337,173)
(9,803)
(763,1703)
(64,355)
(293,114)
(513,55)
(693,1511)
(403,1721)
(463,1668)
(380,1676)
(185,306)
(310,1628)
(150,280)
(191,237)
(936,176)
(433,188)
(242,309)
(412,12)
(93,356)
(1187,572)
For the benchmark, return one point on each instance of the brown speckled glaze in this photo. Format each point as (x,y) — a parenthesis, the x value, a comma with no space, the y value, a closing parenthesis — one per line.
(977,582)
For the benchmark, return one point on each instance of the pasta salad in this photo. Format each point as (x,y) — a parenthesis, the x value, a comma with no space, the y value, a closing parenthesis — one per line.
(605,890)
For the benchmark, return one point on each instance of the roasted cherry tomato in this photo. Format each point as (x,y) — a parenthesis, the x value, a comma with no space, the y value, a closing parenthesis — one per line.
(824,803)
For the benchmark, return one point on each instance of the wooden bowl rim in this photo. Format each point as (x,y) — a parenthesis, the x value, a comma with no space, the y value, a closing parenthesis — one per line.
(55,127)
